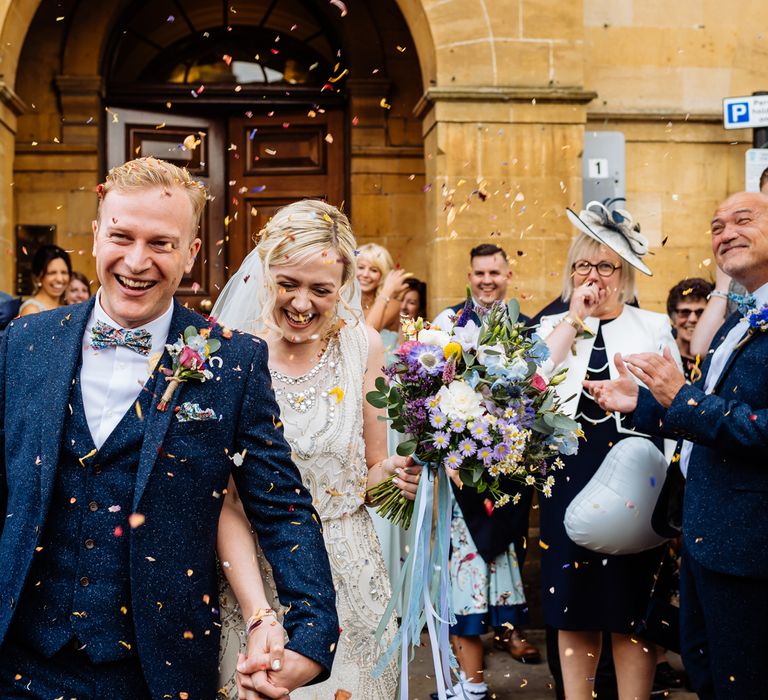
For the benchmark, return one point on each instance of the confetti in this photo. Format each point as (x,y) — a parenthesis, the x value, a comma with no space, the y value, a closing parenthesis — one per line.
(136,520)
(340,5)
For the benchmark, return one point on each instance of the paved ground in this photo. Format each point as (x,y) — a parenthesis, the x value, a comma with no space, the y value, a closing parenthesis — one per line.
(506,677)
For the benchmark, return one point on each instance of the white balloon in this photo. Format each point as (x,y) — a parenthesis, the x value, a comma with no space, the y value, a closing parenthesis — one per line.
(612,513)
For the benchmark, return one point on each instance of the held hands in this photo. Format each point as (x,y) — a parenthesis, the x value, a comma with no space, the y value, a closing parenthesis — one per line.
(407,474)
(659,373)
(270,671)
(264,655)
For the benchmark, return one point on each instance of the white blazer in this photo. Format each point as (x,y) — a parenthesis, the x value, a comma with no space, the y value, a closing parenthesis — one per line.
(634,330)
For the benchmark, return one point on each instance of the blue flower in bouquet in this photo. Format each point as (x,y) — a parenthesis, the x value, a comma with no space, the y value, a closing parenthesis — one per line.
(453,460)
(456,425)
(473,378)
(467,447)
(539,352)
(426,359)
(513,370)
(441,440)
(467,336)
(564,443)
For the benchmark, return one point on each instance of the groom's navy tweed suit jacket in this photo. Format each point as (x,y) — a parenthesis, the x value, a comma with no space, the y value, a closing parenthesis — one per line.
(183,470)
(726,491)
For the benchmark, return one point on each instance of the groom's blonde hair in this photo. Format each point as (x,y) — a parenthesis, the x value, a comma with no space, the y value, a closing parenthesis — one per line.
(149,173)
(296,233)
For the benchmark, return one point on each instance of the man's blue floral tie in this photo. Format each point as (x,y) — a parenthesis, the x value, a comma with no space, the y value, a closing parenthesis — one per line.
(104,336)
(744,302)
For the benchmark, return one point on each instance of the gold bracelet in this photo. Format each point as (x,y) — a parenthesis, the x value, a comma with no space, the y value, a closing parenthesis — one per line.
(257,618)
(574,323)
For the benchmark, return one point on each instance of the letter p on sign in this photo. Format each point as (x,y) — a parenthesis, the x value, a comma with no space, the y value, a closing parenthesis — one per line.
(738,112)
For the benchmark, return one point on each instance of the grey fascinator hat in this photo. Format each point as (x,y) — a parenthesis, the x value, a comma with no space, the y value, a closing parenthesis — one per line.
(614,228)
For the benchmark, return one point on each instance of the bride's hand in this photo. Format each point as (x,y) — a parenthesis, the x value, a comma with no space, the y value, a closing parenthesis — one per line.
(407,475)
(264,651)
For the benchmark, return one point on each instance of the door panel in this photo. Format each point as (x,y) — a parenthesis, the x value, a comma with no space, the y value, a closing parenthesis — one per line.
(132,134)
(273,164)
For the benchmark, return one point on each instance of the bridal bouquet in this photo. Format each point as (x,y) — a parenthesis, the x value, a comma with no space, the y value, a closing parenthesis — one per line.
(471,399)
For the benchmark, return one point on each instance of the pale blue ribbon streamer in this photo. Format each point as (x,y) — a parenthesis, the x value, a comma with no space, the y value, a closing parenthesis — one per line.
(425,585)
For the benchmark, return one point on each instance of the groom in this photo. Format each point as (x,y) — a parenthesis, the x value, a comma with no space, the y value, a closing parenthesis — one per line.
(109,506)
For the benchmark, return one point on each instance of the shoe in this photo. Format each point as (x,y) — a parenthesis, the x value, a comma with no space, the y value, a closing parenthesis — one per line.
(463,695)
(519,648)
(666,679)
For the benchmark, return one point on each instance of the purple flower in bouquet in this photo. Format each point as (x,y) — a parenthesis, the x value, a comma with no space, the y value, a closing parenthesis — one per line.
(437,419)
(415,415)
(456,425)
(441,440)
(426,360)
(453,460)
(485,454)
(479,431)
(467,447)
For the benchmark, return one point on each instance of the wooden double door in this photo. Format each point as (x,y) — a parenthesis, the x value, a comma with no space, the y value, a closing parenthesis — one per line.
(253,165)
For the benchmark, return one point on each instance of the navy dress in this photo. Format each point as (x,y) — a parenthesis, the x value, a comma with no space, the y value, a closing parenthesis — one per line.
(585,590)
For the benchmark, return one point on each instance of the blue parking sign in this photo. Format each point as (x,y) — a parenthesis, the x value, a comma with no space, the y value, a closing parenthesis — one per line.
(738,112)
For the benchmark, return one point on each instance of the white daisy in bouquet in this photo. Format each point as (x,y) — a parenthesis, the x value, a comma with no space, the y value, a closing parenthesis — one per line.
(472,399)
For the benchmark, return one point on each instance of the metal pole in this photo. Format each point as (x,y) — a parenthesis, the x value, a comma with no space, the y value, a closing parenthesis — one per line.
(760,135)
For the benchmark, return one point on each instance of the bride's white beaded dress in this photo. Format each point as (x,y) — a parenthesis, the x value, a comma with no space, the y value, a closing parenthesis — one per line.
(322,414)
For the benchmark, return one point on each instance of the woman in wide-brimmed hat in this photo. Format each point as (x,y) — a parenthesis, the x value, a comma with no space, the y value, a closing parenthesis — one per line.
(586,593)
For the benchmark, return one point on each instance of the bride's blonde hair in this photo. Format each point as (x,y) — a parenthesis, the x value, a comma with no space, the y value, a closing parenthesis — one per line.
(299,231)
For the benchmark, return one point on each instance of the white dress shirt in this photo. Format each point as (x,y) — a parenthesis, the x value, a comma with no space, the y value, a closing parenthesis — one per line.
(111,379)
(719,358)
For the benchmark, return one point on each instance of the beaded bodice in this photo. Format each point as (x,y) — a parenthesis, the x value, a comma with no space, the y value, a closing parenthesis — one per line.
(322,417)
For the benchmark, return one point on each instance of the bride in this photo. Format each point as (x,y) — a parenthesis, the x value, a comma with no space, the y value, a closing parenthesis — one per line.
(297,290)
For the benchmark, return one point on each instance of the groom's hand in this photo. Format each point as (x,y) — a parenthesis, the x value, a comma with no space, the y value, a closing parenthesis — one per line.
(264,650)
(297,670)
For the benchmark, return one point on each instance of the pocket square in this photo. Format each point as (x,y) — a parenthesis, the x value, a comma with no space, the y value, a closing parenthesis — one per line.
(189,411)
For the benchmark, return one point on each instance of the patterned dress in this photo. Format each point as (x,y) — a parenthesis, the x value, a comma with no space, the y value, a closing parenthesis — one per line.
(322,413)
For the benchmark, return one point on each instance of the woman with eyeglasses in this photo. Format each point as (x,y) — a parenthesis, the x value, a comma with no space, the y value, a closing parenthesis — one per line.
(686,304)
(587,594)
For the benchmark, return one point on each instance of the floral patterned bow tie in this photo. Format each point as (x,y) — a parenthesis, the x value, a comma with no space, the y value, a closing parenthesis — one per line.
(104,336)
(744,302)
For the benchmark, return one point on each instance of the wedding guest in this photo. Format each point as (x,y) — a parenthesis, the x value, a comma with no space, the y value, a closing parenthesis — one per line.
(79,288)
(487,544)
(51,269)
(686,304)
(414,303)
(323,359)
(587,593)
(382,286)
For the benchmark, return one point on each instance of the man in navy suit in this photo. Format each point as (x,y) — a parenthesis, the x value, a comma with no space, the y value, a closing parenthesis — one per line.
(109,505)
(722,421)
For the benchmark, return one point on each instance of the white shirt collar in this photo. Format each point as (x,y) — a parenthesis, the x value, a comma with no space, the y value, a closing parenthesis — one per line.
(159,328)
(761,295)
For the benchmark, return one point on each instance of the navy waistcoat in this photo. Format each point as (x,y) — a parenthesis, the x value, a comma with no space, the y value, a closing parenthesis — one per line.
(79,586)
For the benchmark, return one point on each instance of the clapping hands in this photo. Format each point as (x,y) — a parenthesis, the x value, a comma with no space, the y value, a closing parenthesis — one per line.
(659,373)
